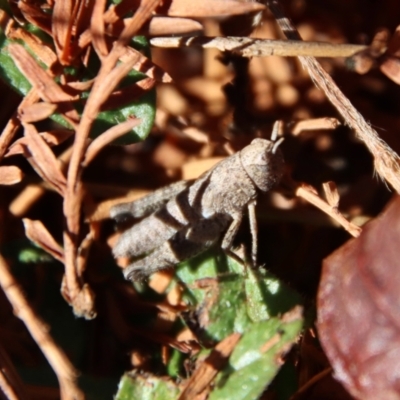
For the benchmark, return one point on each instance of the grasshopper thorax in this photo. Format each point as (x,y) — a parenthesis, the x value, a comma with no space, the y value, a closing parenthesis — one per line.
(263,162)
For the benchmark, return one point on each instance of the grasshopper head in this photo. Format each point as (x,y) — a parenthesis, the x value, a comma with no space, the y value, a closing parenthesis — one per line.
(263,162)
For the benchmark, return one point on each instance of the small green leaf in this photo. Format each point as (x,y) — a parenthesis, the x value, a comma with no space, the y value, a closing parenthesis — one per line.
(235,298)
(134,386)
(175,363)
(256,359)
(34,255)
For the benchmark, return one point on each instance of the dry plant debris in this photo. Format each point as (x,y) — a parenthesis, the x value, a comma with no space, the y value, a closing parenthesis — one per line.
(118,98)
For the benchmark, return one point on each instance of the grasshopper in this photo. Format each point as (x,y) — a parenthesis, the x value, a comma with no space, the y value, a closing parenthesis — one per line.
(184,219)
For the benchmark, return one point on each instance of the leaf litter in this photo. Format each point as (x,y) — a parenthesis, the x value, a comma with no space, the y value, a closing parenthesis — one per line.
(211,306)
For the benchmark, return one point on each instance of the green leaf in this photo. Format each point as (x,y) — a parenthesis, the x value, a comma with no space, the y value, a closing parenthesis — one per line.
(134,386)
(239,296)
(255,361)
(226,297)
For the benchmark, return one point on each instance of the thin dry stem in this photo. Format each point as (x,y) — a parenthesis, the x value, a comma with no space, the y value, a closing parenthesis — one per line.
(387,162)
(314,124)
(77,293)
(107,137)
(60,363)
(310,195)
(315,379)
(248,47)
(10,382)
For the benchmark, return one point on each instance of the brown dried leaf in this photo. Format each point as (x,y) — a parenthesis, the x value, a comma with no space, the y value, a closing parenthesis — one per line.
(210,8)
(45,159)
(359,309)
(13,123)
(391,68)
(62,20)
(391,64)
(160,26)
(35,15)
(10,175)
(97,29)
(142,14)
(52,138)
(37,77)
(38,47)
(210,367)
(147,67)
(36,112)
(37,232)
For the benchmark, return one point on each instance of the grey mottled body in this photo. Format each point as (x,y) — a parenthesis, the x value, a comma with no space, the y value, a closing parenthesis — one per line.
(186,218)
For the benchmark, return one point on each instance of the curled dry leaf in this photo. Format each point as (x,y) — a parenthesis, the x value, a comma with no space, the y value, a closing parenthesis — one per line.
(10,175)
(37,232)
(359,309)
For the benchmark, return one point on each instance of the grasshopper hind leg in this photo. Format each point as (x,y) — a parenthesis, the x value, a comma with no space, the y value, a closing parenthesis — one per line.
(184,245)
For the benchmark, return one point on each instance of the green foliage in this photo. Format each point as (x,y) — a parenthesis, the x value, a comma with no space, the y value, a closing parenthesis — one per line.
(226,297)
(135,386)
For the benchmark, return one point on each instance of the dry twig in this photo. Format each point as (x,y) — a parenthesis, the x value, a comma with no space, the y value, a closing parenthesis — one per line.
(308,193)
(387,162)
(63,368)
(78,294)
(10,382)
(248,47)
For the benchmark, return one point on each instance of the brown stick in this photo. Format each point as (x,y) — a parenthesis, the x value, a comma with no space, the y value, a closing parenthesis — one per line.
(248,47)
(60,363)
(10,382)
(309,195)
(78,294)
